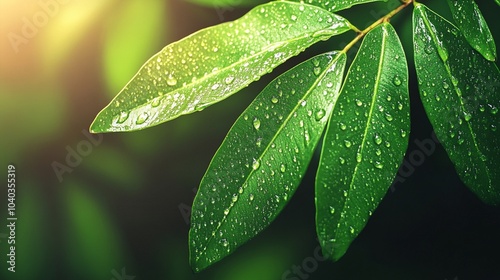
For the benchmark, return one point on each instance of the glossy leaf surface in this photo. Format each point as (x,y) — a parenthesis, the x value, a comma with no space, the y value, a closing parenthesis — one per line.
(365,142)
(471,22)
(337,5)
(459,90)
(263,158)
(214,63)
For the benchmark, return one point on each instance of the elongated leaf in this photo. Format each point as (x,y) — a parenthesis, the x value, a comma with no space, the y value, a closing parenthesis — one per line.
(337,5)
(263,158)
(365,142)
(459,90)
(498,2)
(471,22)
(214,63)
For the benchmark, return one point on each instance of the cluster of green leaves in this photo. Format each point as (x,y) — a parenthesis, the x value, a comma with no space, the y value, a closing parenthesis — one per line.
(366,114)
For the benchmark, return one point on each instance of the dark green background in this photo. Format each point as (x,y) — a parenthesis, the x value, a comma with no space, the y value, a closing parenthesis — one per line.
(119,208)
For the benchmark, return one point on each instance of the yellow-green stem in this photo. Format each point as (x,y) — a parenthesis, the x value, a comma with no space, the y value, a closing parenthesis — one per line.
(385,18)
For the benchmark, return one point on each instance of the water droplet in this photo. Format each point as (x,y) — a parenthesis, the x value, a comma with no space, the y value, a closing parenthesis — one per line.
(229,80)
(274,100)
(256,123)
(234,198)
(388,117)
(351,230)
(303,103)
(282,168)
(155,102)
(123,117)
(345,193)
(467,116)
(259,142)
(294,17)
(224,242)
(251,197)
(359,102)
(358,157)
(215,86)
(255,164)
(342,160)
(446,85)
(377,139)
(171,81)
(343,126)
(347,143)
(320,114)
(378,165)
(494,110)
(142,118)
(396,81)
(317,71)
(332,210)
(226,211)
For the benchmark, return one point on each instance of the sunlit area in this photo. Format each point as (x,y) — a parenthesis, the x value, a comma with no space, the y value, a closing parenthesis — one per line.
(117,205)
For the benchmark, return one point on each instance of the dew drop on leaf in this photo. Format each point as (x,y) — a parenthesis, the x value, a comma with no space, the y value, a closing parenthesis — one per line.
(358,157)
(388,117)
(171,81)
(142,118)
(396,81)
(123,117)
(155,103)
(282,168)
(255,164)
(347,143)
(259,142)
(274,100)
(320,114)
(256,123)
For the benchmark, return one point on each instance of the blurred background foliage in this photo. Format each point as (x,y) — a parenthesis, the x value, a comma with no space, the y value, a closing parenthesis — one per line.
(123,208)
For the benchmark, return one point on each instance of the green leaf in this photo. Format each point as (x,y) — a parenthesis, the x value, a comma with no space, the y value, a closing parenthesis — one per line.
(337,5)
(263,158)
(474,27)
(228,3)
(498,2)
(365,142)
(214,63)
(459,90)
